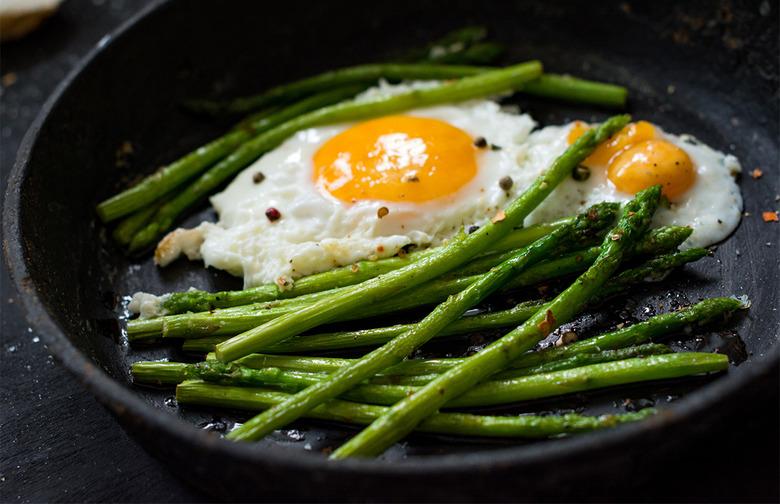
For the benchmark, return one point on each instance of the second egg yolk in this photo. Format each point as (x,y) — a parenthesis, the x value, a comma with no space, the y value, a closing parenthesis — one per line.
(635,159)
(631,134)
(396,158)
(651,163)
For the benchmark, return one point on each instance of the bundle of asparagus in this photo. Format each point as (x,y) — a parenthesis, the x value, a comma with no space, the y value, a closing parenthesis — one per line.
(359,389)
(385,389)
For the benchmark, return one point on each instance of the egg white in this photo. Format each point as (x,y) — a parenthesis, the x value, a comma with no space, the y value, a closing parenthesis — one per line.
(712,206)
(317,232)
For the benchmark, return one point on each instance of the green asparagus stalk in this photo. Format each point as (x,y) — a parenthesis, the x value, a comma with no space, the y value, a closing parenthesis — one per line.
(232,321)
(451,256)
(225,323)
(481,322)
(379,336)
(488,392)
(169,177)
(700,314)
(197,300)
(579,360)
(564,87)
(444,314)
(165,180)
(129,225)
(403,416)
(256,370)
(524,426)
(423,367)
(451,91)
(657,241)
(350,76)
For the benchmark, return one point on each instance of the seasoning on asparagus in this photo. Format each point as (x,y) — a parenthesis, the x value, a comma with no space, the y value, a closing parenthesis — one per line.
(403,416)
(456,253)
(444,314)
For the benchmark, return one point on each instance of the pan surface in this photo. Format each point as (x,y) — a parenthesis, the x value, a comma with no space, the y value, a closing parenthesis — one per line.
(706,70)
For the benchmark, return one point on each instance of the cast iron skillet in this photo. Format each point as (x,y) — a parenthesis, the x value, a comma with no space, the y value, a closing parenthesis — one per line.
(710,71)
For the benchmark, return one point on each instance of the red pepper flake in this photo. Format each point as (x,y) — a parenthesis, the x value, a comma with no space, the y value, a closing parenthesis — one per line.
(756,174)
(380,249)
(382,212)
(542,288)
(500,215)
(546,326)
(273,214)
(770,216)
(355,267)
(441,391)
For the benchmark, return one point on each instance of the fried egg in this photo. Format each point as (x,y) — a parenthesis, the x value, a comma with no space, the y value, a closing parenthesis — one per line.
(334,195)
(698,182)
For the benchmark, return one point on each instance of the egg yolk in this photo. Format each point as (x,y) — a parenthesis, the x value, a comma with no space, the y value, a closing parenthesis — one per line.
(631,134)
(651,163)
(635,159)
(396,158)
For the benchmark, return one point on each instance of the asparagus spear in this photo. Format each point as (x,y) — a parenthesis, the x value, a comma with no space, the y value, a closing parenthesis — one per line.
(397,349)
(402,417)
(455,254)
(198,300)
(452,91)
(225,323)
(486,393)
(172,176)
(381,335)
(579,360)
(702,313)
(235,320)
(262,369)
(349,76)
(564,87)
(657,241)
(524,426)
(425,367)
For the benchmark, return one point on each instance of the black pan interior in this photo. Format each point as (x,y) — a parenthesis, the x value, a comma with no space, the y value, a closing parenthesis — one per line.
(700,68)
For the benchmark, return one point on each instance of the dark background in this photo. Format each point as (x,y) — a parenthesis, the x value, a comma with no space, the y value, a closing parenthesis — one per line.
(58,444)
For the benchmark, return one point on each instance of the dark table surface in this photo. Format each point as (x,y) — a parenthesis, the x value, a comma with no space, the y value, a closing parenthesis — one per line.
(57,444)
